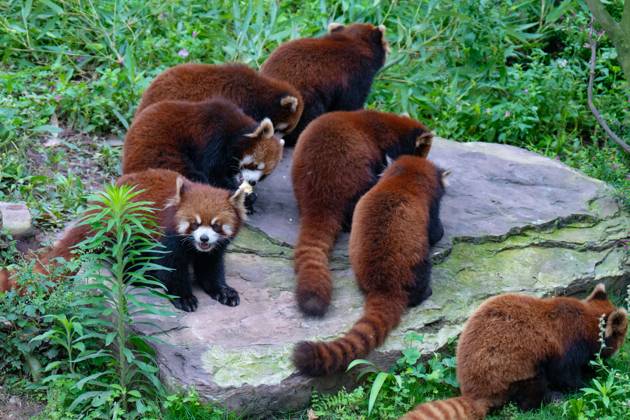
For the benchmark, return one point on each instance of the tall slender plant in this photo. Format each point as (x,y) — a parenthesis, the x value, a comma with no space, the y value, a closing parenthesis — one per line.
(117,260)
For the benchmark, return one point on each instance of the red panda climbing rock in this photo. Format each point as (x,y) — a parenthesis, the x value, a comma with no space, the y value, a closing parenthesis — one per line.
(520,349)
(259,96)
(393,226)
(197,223)
(332,73)
(212,142)
(338,158)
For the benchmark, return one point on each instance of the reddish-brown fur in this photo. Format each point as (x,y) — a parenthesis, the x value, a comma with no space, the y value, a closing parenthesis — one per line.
(258,95)
(338,158)
(158,186)
(389,252)
(333,72)
(178,136)
(518,348)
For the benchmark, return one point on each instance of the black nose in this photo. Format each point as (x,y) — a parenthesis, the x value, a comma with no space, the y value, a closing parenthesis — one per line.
(204,238)
(252,183)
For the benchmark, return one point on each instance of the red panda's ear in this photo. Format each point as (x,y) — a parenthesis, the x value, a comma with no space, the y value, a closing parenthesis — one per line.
(382,28)
(598,293)
(444,177)
(289,101)
(617,324)
(423,143)
(238,199)
(334,27)
(179,190)
(264,129)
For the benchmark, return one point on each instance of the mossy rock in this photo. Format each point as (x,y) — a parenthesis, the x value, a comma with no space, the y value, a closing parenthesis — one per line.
(514,222)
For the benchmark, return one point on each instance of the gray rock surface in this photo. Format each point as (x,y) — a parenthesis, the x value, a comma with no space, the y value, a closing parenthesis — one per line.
(16,219)
(514,221)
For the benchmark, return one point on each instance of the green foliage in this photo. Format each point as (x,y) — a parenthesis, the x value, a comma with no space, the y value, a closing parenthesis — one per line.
(511,71)
(390,394)
(94,364)
(188,407)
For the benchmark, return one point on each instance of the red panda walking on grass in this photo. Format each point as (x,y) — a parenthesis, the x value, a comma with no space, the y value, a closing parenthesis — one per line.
(338,158)
(333,72)
(518,348)
(393,226)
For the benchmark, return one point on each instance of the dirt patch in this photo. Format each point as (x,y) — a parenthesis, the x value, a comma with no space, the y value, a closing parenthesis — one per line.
(15,407)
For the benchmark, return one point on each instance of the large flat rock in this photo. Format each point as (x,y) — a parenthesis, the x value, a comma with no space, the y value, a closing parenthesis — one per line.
(514,221)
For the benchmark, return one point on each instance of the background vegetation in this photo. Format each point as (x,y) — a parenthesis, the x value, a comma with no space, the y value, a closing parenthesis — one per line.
(72,72)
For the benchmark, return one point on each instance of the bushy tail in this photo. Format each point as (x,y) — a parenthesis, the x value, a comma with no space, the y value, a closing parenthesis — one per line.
(315,242)
(46,261)
(460,408)
(382,313)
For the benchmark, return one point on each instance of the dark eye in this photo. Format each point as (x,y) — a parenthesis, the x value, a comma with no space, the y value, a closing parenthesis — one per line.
(194,225)
(216,227)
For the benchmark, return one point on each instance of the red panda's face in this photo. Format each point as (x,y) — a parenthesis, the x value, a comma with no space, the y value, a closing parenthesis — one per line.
(616,319)
(262,154)
(208,217)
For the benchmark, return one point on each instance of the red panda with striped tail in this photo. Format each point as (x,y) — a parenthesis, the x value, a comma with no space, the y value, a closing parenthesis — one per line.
(523,349)
(339,158)
(393,226)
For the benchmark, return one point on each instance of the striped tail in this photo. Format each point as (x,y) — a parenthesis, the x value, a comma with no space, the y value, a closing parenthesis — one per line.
(382,313)
(46,261)
(460,408)
(315,242)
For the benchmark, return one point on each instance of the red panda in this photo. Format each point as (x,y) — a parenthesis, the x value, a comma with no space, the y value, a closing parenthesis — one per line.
(393,226)
(212,142)
(259,96)
(197,223)
(338,158)
(332,73)
(517,348)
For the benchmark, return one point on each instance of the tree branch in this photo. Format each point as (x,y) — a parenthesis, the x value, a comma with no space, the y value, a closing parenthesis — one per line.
(603,18)
(625,18)
(593,43)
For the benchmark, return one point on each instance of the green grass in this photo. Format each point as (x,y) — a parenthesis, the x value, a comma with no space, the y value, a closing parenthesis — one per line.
(511,71)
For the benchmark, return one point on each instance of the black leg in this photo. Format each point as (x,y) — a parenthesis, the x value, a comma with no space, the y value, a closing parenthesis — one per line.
(250,199)
(529,393)
(569,372)
(436,230)
(177,280)
(421,290)
(210,273)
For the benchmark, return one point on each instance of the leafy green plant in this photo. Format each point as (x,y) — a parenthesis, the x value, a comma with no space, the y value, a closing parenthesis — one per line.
(112,369)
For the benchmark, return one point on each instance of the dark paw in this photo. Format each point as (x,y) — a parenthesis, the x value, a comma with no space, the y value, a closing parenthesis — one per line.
(227,296)
(188,303)
(416,299)
(249,203)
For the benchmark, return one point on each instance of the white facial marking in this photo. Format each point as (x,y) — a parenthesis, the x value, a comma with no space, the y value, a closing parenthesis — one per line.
(282,126)
(228,230)
(183,227)
(198,219)
(247,159)
(214,220)
(261,165)
(213,237)
(389,160)
(251,175)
